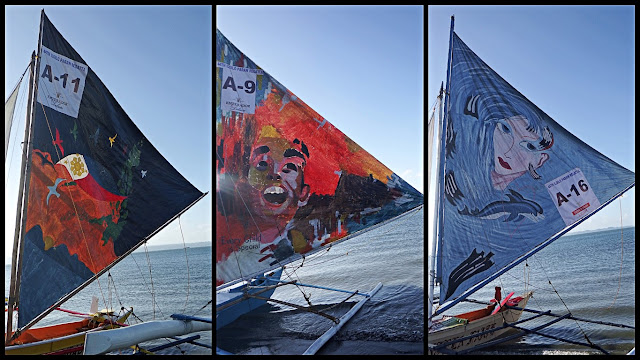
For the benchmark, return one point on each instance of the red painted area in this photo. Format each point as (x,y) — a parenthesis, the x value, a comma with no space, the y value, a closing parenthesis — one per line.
(66,219)
(504,301)
(240,217)
(330,151)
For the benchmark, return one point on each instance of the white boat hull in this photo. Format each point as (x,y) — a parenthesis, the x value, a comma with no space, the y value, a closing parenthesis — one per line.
(476,326)
(113,340)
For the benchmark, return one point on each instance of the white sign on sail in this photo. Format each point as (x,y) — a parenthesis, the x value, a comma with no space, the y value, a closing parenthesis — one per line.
(572,196)
(61,82)
(238,91)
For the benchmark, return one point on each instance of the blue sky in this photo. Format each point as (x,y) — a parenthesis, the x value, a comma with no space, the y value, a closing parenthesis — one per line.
(157,62)
(360,67)
(576,63)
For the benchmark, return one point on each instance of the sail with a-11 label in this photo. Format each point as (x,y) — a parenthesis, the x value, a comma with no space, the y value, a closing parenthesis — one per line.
(288,181)
(95,187)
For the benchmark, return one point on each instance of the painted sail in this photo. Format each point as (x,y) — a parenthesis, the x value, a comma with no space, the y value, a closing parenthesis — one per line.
(97,187)
(513,176)
(288,181)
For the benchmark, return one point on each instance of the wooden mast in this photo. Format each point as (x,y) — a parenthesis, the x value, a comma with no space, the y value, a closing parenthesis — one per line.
(439,205)
(21,218)
(16,239)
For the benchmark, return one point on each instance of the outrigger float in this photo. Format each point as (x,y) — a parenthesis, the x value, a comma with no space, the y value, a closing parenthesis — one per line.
(97,343)
(247,297)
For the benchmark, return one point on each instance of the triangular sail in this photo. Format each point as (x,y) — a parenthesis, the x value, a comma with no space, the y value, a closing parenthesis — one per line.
(97,187)
(9,108)
(288,181)
(513,176)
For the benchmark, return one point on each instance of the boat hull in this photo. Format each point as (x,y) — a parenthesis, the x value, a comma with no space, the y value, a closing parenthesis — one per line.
(476,326)
(231,313)
(57,339)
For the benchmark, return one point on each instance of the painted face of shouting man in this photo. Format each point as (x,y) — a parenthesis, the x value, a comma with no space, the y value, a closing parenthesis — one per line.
(276,175)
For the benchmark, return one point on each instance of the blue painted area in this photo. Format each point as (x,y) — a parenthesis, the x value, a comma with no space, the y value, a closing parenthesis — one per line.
(45,275)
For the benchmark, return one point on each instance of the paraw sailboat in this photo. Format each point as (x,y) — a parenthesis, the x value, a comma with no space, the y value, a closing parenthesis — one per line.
(510,180)
(289,184)
(92,190)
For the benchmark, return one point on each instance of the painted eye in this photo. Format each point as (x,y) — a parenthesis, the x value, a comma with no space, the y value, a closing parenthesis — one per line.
(289,167)
(504,128)
(262,166)
(529,146)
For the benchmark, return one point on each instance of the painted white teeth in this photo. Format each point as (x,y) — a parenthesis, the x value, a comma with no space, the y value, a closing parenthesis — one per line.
(274,190)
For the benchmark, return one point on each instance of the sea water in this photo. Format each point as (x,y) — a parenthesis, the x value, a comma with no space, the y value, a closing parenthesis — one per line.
(392,322)
(593,274)
(163,273)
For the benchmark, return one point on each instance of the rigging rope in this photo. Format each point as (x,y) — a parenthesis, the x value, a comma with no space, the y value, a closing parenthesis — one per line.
(584,334)
(153,292)
(186,257)
(621,257)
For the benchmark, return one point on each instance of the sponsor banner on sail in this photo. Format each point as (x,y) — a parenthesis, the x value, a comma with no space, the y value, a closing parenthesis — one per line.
(238,91)
(61,82)
(97,187)
(514,177)
(288,181)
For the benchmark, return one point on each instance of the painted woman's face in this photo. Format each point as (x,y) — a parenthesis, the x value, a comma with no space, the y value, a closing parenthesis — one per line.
(515,146)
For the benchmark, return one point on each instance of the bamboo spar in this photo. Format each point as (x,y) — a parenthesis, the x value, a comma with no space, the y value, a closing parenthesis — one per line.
(334,329)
